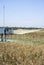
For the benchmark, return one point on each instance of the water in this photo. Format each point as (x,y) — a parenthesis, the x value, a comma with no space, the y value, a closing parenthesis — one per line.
(1,30)
(10,31)
(8,40)
(7,32)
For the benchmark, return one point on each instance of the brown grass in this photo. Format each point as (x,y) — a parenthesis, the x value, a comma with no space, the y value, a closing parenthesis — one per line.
(35,37)
(24,51)
(21,54)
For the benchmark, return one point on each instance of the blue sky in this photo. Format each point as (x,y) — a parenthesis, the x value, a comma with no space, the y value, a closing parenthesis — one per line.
(22,13)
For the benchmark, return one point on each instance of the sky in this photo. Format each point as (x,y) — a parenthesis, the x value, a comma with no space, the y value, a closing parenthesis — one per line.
(22,13)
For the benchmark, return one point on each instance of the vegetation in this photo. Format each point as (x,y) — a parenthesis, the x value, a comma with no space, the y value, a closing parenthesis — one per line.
(35,37)
(21,54)
(30,28)
(27,50)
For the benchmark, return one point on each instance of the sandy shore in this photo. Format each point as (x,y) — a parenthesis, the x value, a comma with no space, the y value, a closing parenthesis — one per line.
(23,31)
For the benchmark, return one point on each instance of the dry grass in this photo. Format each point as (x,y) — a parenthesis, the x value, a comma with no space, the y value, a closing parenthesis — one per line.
(35,37)
(21,54)
(24,51)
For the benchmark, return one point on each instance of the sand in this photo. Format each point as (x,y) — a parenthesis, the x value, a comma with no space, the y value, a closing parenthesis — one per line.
(23,31)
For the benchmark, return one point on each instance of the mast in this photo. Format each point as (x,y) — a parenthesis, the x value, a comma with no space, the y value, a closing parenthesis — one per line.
(3,15)
(2,36)
(3,22)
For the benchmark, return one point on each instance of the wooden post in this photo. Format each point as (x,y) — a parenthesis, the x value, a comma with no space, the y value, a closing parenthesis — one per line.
(1,37)
(5,34)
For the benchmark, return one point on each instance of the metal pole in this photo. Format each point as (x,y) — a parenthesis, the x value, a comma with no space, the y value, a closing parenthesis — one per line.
(2,36)
(3,15)
(3,22)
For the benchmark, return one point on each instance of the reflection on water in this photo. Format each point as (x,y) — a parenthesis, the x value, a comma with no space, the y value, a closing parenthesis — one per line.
(8,40)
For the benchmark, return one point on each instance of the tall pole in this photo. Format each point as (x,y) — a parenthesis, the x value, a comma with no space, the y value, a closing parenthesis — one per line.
(3,21)
(3,34)
(3,15)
